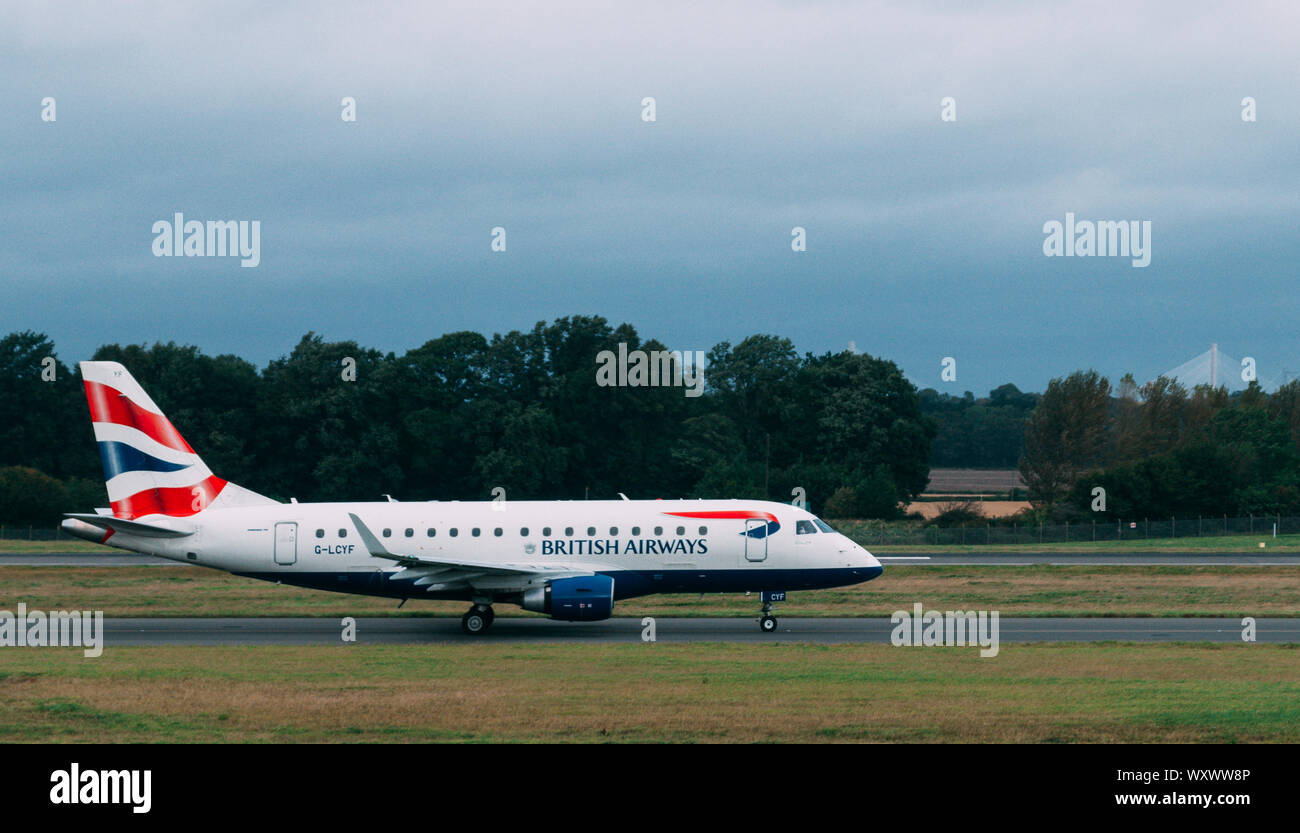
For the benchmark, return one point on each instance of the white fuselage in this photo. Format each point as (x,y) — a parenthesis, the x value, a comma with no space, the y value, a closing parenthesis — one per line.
(648,546)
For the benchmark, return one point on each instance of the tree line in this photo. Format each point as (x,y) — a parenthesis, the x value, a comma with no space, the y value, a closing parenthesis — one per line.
(983,433)
(525,411)
(1160,450)
(464,413)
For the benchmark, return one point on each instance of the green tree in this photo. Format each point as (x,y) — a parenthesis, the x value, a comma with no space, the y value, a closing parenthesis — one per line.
(1284,405)
(29,497)
(843,505)
(754,385)
(866,414)
(1066,435)
(1162,416)
(324,435)
(1244,463)
(988,432)
(41,418)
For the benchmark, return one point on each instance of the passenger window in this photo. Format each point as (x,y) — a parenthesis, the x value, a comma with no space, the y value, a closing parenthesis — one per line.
(409,532)
(613,530)
(388,533)
(523,532)
(681,530)
(568,530)
(474,532)
(704,530)
(497,532)
(636,530)
(546,530)
(431,532)
(804,528)
(453,532)
(343,533)
(659,530)
(320,533)
(591,531)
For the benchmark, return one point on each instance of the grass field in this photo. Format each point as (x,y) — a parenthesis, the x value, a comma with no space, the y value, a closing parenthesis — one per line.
(1094,693)
(1038,590)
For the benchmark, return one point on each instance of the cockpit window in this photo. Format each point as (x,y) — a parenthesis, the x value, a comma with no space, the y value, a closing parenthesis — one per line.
(805,528)
(822,525)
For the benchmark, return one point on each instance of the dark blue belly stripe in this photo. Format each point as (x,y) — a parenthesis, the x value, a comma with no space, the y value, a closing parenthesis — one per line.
(628,584)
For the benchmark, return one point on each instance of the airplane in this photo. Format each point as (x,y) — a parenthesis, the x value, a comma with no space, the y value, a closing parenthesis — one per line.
(568,559)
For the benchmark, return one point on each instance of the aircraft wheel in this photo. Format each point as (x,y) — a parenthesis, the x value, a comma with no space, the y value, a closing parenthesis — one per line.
(476,621)
(767,623)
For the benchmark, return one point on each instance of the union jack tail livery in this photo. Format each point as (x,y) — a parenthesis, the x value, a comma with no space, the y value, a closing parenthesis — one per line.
(149,469)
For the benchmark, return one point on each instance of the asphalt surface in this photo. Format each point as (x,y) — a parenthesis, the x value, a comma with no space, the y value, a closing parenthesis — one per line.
(396,631)
(1254,557)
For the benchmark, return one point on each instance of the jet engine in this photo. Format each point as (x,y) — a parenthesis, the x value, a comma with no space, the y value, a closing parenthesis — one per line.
(579,599)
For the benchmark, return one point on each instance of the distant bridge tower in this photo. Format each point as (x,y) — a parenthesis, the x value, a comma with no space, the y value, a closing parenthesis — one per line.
(1205,370)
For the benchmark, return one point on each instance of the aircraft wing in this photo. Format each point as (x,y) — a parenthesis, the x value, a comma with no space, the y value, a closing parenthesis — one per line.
(442,573)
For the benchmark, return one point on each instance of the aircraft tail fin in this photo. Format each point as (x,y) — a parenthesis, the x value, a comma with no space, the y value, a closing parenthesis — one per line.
(149,468)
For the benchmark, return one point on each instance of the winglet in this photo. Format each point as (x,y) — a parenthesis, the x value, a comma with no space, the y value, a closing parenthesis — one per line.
(368,538)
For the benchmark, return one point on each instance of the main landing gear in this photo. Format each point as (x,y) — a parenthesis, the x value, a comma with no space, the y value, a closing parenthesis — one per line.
(478,619)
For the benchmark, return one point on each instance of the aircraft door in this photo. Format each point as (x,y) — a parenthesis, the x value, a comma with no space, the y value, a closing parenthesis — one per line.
(286,543)
(755,548)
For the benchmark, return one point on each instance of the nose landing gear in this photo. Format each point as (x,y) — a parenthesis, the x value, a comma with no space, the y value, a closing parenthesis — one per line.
(767,622)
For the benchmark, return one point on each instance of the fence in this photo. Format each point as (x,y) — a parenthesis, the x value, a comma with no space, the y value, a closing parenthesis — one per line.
(872,533)
(34,533)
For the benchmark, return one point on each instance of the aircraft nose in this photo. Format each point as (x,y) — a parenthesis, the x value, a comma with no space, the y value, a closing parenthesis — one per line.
(860,560)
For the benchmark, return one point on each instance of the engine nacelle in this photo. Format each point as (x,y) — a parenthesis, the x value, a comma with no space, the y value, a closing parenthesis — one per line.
(580,599)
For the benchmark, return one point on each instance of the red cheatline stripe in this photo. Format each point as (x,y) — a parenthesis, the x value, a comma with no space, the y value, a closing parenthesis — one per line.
(178,502)
(110,405)
(729,514)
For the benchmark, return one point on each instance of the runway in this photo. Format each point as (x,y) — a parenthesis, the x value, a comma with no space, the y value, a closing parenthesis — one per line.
(1110,559)
(434,631)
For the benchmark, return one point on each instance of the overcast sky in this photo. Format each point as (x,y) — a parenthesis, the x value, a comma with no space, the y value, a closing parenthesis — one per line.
(924,237)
